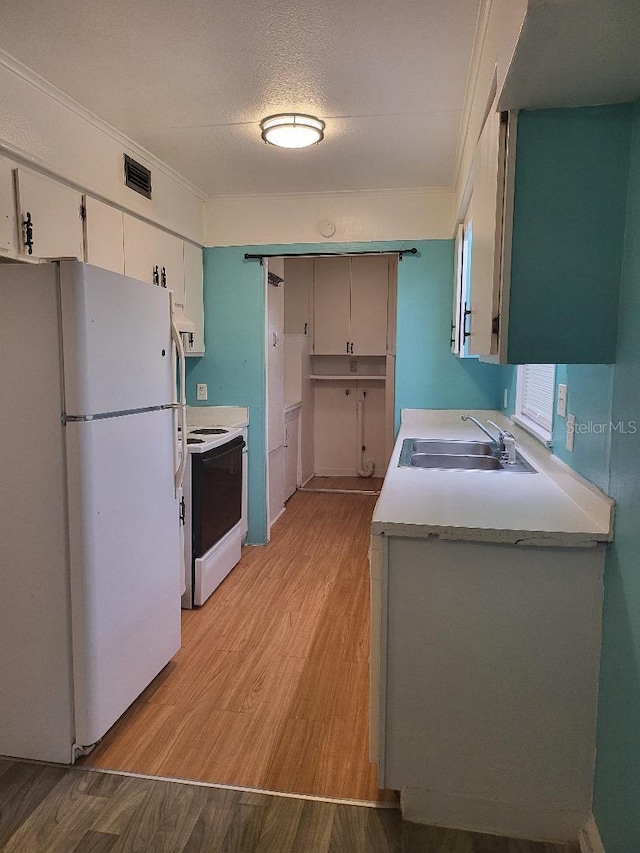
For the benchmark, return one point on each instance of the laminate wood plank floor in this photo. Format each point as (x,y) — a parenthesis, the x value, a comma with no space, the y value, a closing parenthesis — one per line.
(342,484)
(270,689)
(47,809)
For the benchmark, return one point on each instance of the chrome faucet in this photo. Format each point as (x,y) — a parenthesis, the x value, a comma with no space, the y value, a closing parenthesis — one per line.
(505,443)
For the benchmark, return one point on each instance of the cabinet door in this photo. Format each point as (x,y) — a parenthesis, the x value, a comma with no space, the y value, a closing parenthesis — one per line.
(487,240)
(55,213)
(298,290)
(170,258)
(194,307)
(369,298)
(275,358)
(336,437)
(8,233)
(332,303)
(104,236)
(291,441)
(140,249)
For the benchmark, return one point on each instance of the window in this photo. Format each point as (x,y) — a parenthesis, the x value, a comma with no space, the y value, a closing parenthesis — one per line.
(535,394)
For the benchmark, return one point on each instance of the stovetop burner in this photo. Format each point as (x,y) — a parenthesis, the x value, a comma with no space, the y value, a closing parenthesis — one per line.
(195,441)
(209,431)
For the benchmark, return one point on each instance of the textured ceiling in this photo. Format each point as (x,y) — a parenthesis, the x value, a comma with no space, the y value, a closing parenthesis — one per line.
(190,81)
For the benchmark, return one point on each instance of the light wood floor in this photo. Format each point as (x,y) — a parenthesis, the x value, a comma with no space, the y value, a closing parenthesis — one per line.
(344,484)
(47,809)
(270,689)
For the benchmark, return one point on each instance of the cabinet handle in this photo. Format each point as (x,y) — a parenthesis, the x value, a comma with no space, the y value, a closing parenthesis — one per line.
(347,347)
(465,333)
(163,277)
(305,328)
(156,275)
(27,224)
(352,348)
(453,334)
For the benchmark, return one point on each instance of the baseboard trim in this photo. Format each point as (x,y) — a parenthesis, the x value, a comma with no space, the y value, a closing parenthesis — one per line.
(492,817)
(589,837)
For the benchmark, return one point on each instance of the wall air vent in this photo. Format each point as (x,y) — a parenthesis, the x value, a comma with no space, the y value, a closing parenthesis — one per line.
(137,177)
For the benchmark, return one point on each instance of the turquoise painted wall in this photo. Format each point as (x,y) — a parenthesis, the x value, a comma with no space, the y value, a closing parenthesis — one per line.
(590,399)
(568,226)
(427,374)
(617,783)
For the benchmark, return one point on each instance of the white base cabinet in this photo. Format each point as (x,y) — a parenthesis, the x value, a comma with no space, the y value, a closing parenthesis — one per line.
(484,682)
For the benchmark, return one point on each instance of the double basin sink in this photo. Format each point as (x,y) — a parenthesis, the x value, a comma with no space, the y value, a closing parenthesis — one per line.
(457,455)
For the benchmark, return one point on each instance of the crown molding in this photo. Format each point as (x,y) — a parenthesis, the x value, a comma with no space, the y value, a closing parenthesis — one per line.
(34,79)
(333,194)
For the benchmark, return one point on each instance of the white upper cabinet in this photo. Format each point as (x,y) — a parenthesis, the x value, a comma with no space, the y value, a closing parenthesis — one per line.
(369,298)
(298,295)
(331,306)
(153,255)
(194,309)
(351,305)
(49,218)
(486,247)
(104,235)
(140,250)
(8,232)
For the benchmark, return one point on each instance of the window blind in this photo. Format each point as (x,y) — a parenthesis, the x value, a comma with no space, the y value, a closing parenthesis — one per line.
(538,391)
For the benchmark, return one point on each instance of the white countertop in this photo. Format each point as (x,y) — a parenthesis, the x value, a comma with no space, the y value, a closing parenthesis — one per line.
(553,507)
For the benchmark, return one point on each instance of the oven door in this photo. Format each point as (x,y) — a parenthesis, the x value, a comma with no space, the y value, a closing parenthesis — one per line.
(216,494)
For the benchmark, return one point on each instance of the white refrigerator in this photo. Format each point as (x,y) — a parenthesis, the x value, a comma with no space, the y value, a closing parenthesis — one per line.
(90,559)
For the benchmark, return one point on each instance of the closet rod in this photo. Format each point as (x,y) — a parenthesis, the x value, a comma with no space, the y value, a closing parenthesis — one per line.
(399,252)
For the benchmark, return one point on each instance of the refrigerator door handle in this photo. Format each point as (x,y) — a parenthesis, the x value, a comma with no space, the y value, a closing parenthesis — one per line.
(182,402)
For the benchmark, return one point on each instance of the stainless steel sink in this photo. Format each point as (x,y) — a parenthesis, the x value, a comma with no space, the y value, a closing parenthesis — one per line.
(467,463)
(457,456)
(453,448)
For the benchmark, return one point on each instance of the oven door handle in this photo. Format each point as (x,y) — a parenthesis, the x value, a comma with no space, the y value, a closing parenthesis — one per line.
(217,453)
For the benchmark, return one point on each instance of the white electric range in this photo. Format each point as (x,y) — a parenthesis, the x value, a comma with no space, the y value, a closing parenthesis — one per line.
(213,495)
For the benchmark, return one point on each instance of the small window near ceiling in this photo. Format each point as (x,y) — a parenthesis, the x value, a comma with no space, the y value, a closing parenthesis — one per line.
(535,393)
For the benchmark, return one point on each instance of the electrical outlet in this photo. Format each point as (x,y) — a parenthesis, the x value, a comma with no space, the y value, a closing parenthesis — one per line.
(353,365)
(201,391)
(561,405)
(505,398)
(570,432)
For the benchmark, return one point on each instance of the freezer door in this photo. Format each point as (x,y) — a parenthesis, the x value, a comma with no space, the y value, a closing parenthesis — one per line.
(116,336)
(124,524)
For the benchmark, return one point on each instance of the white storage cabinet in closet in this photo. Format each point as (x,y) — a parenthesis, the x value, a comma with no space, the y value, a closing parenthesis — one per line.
(350,305)
(49,218)
(291,451)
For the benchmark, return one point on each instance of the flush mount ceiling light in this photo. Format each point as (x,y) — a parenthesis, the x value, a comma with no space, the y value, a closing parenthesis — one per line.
(292,130)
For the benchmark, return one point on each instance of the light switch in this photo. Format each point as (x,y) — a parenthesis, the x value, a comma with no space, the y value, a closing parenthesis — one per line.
(201,391)
(570,433)
(561,406)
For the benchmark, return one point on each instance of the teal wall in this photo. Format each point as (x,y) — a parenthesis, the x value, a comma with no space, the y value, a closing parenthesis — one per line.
(617,784)
(427,374)
(590,399)
(568,226)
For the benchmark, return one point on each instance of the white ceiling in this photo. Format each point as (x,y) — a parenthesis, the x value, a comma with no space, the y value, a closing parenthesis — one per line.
(190,81)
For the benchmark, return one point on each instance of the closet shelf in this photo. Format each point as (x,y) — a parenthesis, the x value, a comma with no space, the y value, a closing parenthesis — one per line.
(342,377)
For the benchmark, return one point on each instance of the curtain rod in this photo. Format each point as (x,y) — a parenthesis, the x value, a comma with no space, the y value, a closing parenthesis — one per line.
(399,252)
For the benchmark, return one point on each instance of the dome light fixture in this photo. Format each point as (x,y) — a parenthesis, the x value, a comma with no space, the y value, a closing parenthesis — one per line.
(292,130)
